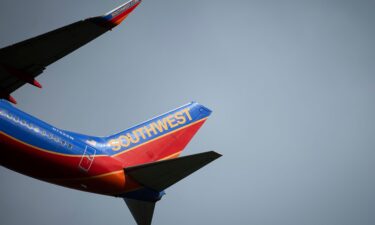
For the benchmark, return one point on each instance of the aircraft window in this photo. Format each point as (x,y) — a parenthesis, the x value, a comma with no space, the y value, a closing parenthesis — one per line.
(35,128)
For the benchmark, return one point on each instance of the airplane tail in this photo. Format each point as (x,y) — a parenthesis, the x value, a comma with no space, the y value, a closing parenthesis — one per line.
(156,177)
(149,153)
(163,137)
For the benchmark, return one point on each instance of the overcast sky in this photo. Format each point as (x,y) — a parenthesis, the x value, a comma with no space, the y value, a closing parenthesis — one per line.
(291,85)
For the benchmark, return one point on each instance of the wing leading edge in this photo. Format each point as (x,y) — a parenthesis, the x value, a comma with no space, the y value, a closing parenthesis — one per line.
(21,63)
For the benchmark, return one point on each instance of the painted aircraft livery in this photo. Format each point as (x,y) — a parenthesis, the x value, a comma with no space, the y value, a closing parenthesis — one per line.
(137,164)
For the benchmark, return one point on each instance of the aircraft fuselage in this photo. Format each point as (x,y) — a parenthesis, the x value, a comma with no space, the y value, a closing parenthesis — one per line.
(24,141)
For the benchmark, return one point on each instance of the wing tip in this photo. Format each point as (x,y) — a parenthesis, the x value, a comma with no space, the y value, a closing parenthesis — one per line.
(117,15)
(215,155)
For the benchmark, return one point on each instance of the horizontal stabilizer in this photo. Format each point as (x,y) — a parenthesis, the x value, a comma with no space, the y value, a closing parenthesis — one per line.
(142,211)
(161,175)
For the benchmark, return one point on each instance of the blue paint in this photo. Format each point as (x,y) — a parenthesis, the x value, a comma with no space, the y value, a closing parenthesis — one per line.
(30,130)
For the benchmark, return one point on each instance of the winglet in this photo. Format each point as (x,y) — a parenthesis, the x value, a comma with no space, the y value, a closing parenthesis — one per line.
(117,15)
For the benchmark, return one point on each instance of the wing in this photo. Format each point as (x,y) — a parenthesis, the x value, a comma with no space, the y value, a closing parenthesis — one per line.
(22,62)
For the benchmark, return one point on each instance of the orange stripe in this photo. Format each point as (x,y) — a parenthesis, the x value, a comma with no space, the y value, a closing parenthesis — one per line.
(87,178)
(174,155)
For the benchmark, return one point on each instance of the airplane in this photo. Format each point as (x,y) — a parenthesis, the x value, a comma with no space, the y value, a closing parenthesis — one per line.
(137,164)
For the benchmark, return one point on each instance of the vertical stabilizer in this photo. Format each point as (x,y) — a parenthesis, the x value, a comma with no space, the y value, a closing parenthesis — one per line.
(163,137)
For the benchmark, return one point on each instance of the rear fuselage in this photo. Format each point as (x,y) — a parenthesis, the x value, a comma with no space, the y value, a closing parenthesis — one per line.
(34,148)
(93,164)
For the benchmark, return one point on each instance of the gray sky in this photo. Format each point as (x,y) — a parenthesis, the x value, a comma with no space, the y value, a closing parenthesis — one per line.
(291,84)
